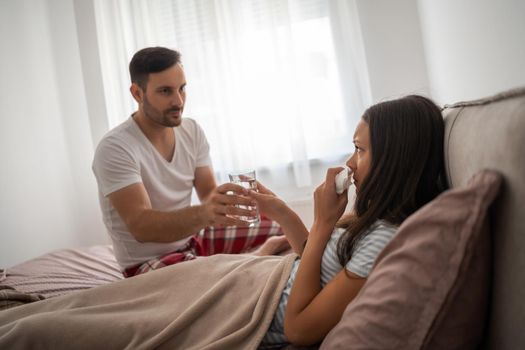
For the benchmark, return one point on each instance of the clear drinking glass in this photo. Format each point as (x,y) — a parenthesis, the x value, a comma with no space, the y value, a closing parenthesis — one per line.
(247,180)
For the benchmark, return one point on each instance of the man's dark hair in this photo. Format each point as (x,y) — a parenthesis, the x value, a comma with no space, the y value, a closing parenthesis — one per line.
(406,170)
(151,60)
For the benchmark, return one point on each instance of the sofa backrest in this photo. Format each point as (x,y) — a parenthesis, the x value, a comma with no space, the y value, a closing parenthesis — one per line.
(490,134)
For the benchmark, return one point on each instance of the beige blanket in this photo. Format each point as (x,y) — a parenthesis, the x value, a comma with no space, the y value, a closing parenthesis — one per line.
(220,302)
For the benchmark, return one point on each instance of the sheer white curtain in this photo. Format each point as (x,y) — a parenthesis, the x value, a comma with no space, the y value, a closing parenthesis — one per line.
(276,84)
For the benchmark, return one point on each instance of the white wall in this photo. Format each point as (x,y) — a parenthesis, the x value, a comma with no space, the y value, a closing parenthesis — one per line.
(474,48)
(48,194)
(393,47)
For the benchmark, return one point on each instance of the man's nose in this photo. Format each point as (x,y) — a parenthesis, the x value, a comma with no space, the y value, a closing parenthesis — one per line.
(178,100)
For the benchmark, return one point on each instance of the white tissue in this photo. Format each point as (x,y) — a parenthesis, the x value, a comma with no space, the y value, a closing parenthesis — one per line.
(343,180)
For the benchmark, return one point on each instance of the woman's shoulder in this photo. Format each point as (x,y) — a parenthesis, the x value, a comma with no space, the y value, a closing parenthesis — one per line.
(380,230)
(369,247)
(383,226)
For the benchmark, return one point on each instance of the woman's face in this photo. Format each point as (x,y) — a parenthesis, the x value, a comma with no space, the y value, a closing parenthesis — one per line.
(360,161)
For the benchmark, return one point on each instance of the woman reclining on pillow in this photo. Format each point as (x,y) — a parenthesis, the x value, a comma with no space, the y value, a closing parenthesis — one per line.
(397,168)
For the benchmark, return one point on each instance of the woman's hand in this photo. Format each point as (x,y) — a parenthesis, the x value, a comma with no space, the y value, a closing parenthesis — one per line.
(328,205)
(264,190)
(277,210)
(268,203)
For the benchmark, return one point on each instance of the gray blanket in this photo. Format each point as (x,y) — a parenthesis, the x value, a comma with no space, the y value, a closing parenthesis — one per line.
(220,302)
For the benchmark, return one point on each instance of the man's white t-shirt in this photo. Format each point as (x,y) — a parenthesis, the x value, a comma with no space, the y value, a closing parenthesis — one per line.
(125,156)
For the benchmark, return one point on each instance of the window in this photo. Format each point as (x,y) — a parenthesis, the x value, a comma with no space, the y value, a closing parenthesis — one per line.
(274,83)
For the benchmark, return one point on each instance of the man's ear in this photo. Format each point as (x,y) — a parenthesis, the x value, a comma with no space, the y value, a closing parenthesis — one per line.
(136,92)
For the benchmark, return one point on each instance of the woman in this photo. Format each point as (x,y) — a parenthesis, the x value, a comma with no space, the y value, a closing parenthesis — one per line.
(397,168)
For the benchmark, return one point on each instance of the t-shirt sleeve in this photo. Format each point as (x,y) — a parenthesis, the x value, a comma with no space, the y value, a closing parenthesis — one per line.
(202,147)
(114,167)
(367,250)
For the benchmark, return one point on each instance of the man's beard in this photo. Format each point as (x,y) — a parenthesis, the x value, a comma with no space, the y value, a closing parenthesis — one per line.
(162,118)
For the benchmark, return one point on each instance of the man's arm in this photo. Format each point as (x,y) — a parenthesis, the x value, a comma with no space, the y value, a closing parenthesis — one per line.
(204,182)
(148,225)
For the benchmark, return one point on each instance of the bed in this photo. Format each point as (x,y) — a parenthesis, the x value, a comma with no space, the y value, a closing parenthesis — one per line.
(60,272)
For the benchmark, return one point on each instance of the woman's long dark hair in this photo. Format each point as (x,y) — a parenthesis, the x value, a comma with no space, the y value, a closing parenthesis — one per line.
(406,170)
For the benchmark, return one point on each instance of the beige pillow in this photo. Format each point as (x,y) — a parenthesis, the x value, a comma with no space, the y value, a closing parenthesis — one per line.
(429,287)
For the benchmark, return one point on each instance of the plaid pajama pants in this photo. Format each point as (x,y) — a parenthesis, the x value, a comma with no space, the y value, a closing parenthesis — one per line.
(227,240)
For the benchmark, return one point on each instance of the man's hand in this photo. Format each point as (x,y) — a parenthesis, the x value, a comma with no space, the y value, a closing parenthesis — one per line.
(221,207)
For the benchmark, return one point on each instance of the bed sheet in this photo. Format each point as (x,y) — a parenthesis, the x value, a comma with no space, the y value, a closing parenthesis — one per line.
(64,271)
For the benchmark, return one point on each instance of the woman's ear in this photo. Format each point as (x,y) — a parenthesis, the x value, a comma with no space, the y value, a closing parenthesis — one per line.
(136,92)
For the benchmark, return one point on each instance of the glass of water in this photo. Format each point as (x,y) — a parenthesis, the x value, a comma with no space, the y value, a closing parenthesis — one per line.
(247,180)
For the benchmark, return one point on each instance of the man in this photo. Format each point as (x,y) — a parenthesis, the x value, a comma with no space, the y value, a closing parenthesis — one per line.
(146,169)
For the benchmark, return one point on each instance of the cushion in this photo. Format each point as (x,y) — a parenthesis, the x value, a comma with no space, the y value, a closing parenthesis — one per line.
(429,287)
(490,133)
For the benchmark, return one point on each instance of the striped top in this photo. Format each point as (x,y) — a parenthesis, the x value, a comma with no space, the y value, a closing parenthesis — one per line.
(365,253)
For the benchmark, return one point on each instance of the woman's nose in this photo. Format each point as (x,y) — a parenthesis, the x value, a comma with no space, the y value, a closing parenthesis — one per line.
(350,162)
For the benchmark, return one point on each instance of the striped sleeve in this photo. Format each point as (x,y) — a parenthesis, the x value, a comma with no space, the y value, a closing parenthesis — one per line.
(368,248)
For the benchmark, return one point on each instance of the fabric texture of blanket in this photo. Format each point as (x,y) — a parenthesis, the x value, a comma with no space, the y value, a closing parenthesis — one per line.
(218,302)
(10,297)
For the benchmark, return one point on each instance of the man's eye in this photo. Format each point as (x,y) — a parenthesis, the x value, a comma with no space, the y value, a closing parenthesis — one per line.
(164,91)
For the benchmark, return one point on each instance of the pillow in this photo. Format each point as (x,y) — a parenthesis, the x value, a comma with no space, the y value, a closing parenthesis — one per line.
(429,286)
